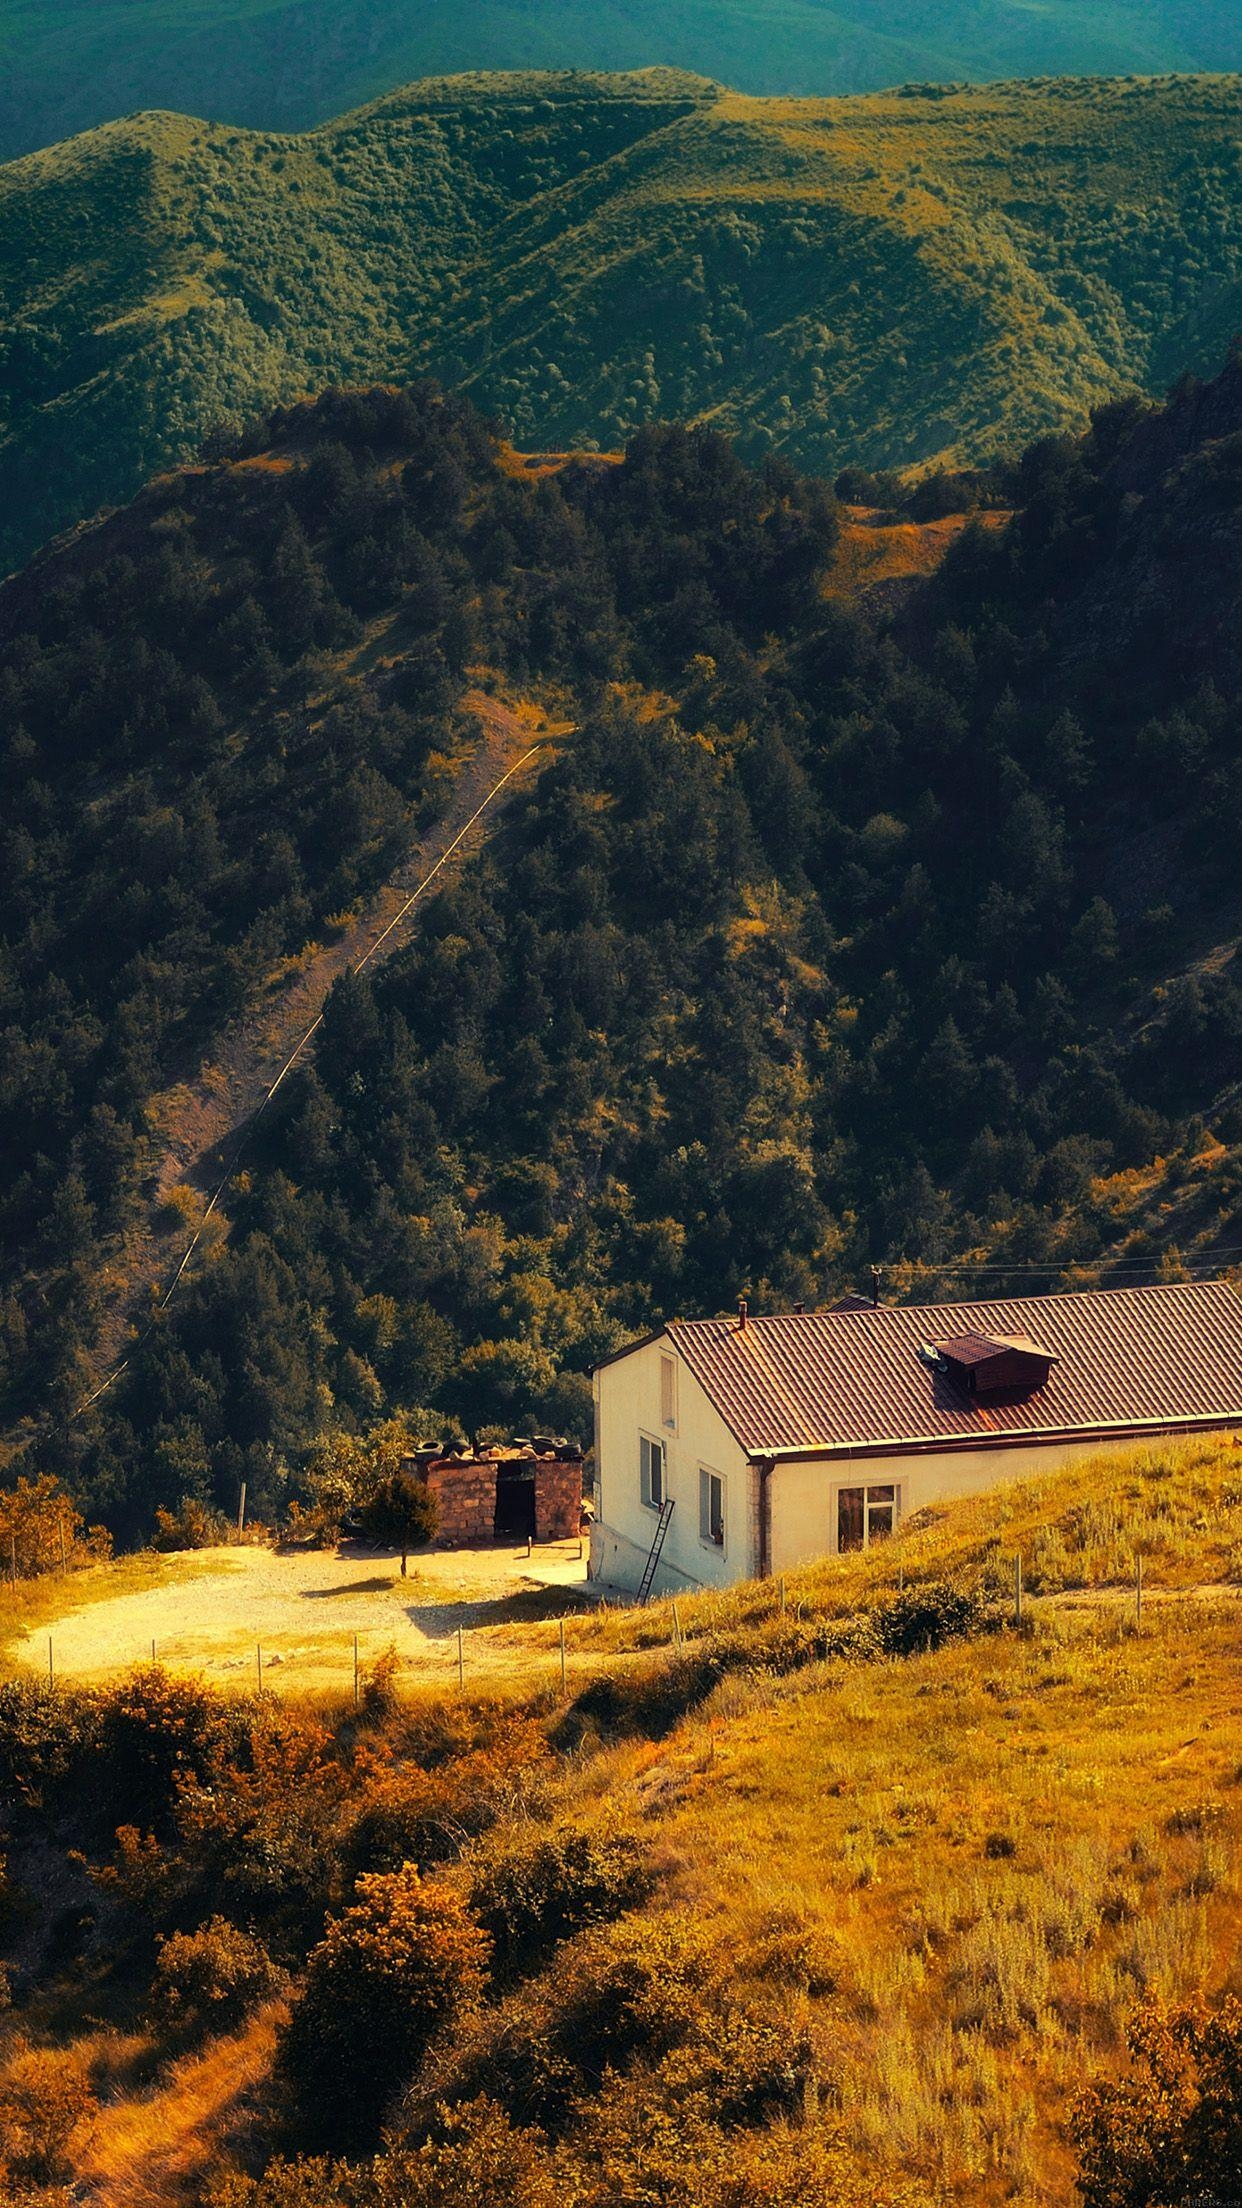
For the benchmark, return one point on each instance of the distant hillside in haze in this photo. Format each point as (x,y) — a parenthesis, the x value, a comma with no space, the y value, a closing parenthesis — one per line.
(288,64)
(883,281)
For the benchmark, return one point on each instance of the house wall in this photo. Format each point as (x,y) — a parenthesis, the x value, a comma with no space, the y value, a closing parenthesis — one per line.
(627,1405)
(804,1496)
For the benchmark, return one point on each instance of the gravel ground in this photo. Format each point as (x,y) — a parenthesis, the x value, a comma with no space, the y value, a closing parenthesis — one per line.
(303,1610)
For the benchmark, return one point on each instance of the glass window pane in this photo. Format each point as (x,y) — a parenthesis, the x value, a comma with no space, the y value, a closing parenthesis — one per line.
(881,1494)
(879,1521)
(850,1519)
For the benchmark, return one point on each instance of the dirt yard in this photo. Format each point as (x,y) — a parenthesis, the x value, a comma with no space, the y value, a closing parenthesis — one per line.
(216,1610)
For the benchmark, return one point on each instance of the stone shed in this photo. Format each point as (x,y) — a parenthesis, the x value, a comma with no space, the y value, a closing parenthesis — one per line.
(529,1490)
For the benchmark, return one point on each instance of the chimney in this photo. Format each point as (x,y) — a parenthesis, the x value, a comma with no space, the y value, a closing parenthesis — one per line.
(799,1308)
(875,1286)
(742,1311)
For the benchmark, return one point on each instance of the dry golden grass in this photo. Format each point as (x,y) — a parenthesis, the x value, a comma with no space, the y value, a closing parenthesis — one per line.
(872,552)
(157,2149)
(1177,1504)
(1000,1846)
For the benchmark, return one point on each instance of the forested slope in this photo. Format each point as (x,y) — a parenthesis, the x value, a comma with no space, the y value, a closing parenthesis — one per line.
(287,64)
(828,938)
(878,281)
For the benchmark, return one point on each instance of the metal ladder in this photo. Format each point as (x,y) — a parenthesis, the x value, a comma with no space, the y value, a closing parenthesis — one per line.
(657,1544)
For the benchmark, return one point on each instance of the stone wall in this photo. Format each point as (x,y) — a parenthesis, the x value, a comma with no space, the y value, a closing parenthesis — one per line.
(558,1498)
(466,1493)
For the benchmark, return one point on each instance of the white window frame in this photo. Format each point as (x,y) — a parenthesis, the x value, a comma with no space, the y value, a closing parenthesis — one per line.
(668,1392)
(649,1450)
(706,1539)
(845,1487)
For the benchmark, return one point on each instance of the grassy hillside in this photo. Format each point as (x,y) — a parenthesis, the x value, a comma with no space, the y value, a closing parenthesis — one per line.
(856,1897)
(288,64)
(828,933)
(882,280)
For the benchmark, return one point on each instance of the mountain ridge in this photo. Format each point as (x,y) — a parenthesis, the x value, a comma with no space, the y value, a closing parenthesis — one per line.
(891,281)
(290,64)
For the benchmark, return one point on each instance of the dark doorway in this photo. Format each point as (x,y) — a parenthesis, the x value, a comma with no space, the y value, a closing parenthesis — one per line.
(515,1502)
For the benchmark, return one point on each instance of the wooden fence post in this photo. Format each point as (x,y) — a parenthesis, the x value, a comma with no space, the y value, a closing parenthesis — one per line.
(51,1667)
(258,1657)
(357,1690)
(1017,1589)
(1138,1592)
(676,1627)
(562,1655)
(461,1660)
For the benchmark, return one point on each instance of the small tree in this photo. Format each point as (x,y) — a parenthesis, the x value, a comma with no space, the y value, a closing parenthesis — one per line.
(387,1975)
(401,1514)
(206,1980)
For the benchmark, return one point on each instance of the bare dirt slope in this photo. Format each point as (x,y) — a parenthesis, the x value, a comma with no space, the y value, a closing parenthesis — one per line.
(303,1610)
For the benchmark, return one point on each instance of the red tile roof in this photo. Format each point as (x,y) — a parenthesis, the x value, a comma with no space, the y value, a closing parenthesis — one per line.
(1127,1359)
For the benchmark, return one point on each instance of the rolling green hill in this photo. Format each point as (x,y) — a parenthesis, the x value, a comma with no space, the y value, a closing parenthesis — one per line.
(288,64)
(880,280)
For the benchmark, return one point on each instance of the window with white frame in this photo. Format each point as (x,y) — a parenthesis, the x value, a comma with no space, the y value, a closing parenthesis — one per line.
(866,1516)
(651,1472)
(711,1508)
(668,1394)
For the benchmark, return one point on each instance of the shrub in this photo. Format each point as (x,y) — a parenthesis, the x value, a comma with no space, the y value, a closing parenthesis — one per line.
(192,1525)
(154,1731)
(544,1887)
(44,2099)
(924,1617)
(388,1973)
(408,1814)
(205,1981)
(260,1820)
(45,1735)
(1172,2131)
(635,1987)
(478,2159)
(305,2183)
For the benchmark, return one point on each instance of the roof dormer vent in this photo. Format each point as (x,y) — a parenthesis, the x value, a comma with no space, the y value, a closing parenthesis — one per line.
(994,1364)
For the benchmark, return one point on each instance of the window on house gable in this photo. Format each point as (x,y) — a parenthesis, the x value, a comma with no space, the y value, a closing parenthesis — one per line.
(711,1508)
(651,1472)
(865,1516)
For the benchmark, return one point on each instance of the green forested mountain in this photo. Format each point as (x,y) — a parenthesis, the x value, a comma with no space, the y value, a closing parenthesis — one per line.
(878,281)
(828,937)
(287,64)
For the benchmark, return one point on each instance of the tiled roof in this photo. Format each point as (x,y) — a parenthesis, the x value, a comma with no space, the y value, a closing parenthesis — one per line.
(1126,1358)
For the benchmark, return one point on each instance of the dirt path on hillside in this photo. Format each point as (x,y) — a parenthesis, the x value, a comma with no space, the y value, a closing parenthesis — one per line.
(197,1119)
(303,1610)
(200,1123)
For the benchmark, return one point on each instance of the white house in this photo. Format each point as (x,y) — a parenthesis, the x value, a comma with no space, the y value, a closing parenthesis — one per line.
(763,1442)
